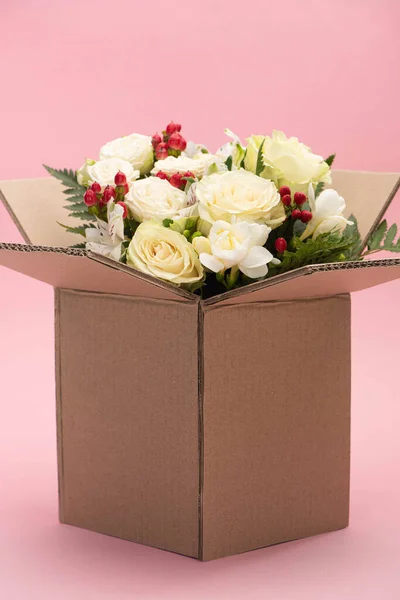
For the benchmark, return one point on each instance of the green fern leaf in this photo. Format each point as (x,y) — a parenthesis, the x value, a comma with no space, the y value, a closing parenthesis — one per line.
(391,235)
(377,236)
(260,160)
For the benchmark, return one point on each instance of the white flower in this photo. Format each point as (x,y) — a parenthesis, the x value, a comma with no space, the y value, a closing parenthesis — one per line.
(230,245)
(136,149)
(106,238)
(287,161)
(163,253)
(193,150)
(104,171)
(239,195)
(234,149)
(199,166)
(327,214)
(154,198)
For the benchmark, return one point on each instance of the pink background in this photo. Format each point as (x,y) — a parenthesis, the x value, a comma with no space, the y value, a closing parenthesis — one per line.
(77,73)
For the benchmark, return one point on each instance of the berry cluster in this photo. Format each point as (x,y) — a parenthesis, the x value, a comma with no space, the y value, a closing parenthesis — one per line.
(177,179)
(96,199)
(299,199)
(170,143)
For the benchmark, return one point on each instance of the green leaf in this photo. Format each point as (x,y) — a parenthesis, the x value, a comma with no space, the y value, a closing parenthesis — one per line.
(319,188)
(229,162)
(377,236)
(383,239)
(260,160)
(167,222)
(78,230)
(391,234)
(67,176)
(77,207)
(84,216)
(330,159)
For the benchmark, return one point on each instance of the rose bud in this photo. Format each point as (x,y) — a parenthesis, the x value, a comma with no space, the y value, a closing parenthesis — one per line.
(286,200)
(172,127)
(300,198)
(96,187)
(162,151)
(108,194)
(124,206)
(176,141)
(284,191)
(280,245)
(296,214)
(156,139)
(305,216)
(90,198)
(120,178)
(176,180)
(161,175)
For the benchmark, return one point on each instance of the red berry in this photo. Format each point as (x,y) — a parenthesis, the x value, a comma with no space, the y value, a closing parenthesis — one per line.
(90,198)
(124,206)
(162,151)
(189,174)
(285,191)
(156,139)
(108,193)
(306,216)
(172,127)
(176,180)
(296,213)
(126,188)
(287,200)
(300,198)
(96,187)
(280,245)
(162,175)
(177,142)
(120,178)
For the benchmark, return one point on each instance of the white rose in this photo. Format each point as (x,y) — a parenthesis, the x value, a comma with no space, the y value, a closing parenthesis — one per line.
(235,245)
(163,253)
(104,171)
(107,237)
(327,214)
(199,166)
(82,174)
(154,198)
(136,149)
(287,161)
(239,195)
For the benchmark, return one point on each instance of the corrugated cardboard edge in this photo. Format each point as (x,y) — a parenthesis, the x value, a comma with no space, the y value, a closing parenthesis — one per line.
(301,272)
(200,374)
(382,212)
(14,218)
(58,371)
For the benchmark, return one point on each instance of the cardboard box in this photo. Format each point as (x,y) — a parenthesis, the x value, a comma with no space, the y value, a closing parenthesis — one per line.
(182,423)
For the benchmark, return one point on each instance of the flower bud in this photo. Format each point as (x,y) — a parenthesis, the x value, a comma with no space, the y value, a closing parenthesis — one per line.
(156,139)
(296,214)
(162,175)
(172,127)
(286,200)
(176,180)
(284,191)
(177,142)
(120,178)
(90,198)
(305,216)
(280,245)
(109,192)
(96,187)
(300,198)
(124,206)
(161,151)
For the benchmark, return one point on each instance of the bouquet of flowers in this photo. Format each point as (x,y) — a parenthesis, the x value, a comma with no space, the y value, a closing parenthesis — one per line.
(213,222)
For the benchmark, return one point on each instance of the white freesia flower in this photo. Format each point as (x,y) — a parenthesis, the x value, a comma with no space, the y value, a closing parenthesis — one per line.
(104,171)
(287,161)
(193,150)
(106,238)
(327,214)
(239,244)
(136,149)
(199,166)
(163,253)
(234,149)
(239,195)
(154,198)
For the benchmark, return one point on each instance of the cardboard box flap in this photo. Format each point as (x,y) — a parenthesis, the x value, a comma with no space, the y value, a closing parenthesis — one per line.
(314,281)
(35,206)
(367,196)
(71,268)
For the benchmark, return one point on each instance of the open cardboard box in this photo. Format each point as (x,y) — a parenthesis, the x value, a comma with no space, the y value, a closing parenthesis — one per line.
(180,422)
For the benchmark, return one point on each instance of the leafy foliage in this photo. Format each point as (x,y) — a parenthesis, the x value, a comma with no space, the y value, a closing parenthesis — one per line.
(74,192)
(229,162)
(260,160)
(383,239)
(330,159)
(321,185)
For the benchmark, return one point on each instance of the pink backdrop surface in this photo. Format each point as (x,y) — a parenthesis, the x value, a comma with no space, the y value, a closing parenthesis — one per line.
(77,73)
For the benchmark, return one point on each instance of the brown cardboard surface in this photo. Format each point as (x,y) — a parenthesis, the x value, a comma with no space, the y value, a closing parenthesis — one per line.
(72,268)
(35,205)
(367,195)
(276,428)
(314,281)
(127,407)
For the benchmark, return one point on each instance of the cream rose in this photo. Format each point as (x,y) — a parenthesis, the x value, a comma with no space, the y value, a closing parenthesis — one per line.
(238,245)
(163,253)
(199,166)
(327,214)
(136,149)
(104,171)
(239,195)
(287,161)
(154,198)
